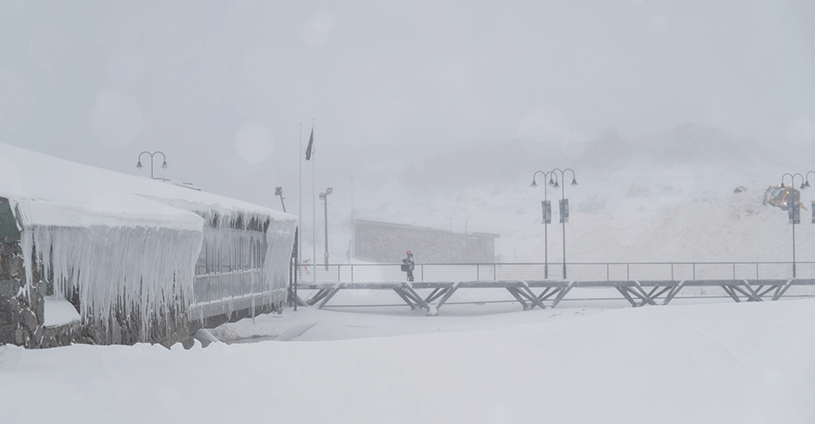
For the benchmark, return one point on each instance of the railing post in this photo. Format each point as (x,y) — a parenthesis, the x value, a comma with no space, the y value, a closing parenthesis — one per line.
(694,270)
(494,272)
(352,273)
(338,272)
(477,272)
(422,267)
(608,272)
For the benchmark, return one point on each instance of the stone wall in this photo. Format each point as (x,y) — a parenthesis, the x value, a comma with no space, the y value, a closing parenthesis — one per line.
(386,242)
(22,308)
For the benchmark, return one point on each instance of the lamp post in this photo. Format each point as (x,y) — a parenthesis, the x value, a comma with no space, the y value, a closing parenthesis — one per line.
(324,198)
(805,185)
(278,191)
(793,210)
(547,218)
(564,208)
(163,165)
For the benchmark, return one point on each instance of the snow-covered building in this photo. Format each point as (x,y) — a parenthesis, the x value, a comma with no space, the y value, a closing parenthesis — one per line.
(95,256)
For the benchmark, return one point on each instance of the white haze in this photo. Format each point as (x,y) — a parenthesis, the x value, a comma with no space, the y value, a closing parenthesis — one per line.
(416,100)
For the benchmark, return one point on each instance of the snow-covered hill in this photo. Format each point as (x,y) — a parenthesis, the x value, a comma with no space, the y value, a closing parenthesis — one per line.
(644,212)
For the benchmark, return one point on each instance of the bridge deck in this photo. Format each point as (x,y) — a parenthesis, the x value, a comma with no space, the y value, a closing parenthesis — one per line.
(549,293)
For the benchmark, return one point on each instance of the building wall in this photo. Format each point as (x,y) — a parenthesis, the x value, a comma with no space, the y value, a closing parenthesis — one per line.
(387,243)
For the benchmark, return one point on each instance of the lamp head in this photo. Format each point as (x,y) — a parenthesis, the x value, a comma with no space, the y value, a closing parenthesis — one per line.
(534,184)
(164,165)
(138,165)
(278,191)
(556,185)
(574,181)
(552,182)
(329,190)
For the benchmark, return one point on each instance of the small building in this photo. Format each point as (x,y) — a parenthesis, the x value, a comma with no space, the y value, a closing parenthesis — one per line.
(387,242)
(94,256)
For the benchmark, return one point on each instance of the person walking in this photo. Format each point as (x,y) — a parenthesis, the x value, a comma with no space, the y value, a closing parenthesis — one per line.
(408,264)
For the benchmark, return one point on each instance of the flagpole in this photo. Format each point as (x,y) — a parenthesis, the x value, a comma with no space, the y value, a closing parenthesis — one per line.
(313,210)
(299,212)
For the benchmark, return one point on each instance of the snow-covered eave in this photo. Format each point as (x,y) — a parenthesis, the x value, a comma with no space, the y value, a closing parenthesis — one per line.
(214,204)
(44,213)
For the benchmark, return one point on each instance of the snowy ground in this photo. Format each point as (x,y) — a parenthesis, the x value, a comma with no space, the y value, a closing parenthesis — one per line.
(724,363)
(486,363)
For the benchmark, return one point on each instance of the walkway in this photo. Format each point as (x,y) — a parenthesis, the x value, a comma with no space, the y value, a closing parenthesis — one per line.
(543,293)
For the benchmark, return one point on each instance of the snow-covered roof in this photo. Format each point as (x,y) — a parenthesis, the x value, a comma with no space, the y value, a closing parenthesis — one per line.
(56,192)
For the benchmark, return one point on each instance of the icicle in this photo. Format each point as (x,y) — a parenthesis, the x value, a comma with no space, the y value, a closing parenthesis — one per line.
(150,270)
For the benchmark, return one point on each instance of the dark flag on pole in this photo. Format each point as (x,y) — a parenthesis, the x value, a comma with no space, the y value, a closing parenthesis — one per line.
(310,142)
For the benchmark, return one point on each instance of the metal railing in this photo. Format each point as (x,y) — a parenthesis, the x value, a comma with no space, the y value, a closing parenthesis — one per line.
(366,273)
(215,287)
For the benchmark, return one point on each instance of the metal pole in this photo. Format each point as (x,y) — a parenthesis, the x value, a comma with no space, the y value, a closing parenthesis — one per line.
(563,196)
(793,238)
(545,233)
(791,208)
(300,199)
(296,268)
(313,210)
(325,201)
(351,253)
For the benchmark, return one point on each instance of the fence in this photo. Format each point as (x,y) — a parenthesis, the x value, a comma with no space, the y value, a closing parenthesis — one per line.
(369,273)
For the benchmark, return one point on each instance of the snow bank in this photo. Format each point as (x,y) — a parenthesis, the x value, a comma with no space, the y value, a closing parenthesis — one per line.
(59,312)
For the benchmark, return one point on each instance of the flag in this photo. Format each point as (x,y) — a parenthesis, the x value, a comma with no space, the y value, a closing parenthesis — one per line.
(310,142)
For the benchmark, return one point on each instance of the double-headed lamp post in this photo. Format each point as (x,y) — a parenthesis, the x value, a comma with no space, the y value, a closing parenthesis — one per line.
(324,198)
(793,210)
(163,165)
(547,218)
(564,208)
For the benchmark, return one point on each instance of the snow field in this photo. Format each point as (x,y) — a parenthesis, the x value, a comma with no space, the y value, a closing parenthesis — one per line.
(724,363)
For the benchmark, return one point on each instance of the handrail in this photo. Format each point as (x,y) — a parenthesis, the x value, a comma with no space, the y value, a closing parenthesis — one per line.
(598,271)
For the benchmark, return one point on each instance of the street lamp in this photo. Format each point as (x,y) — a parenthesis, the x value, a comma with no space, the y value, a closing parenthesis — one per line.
(324,198)
(806,183)
(547,218)
(278,191)
(793,210)
(564,208)
(163,165)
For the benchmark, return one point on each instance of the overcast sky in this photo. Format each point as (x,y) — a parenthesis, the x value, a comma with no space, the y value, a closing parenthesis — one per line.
(223,87)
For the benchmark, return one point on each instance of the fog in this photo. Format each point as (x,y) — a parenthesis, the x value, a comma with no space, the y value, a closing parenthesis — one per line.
(423,94)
